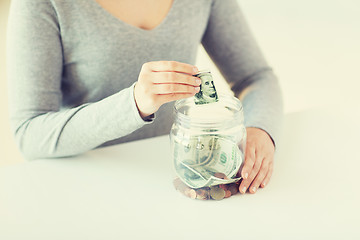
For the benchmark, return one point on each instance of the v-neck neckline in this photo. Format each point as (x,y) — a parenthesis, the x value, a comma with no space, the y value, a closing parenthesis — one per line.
(118,20)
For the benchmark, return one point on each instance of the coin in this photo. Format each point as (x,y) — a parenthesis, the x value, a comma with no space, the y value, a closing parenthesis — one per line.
(233,188)
(223,186)
(192,194)
(186,191)
(202,194)
(220,175)
(180,185)
(217,193)
(177,183)
(227,194)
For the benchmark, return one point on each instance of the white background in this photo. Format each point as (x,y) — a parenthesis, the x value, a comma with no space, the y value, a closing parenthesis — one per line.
(312,45)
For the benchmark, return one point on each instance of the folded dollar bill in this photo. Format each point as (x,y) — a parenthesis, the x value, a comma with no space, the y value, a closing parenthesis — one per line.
(198,162)
(207,93)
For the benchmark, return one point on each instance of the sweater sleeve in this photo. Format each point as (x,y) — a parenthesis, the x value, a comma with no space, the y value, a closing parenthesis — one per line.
(231,46)
(43,129)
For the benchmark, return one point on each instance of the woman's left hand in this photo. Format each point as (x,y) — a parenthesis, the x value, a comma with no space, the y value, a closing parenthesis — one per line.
(259,160)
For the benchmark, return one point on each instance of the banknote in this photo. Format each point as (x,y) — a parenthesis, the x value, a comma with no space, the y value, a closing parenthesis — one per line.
(198,161)
(207,93)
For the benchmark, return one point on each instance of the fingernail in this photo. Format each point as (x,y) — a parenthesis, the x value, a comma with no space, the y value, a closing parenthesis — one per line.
(195,69)
(263,184)
(254,189)
(197,89)
(246,175)
(198,81)
(243,190)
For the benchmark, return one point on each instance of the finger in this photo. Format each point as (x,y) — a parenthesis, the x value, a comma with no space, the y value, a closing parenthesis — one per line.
(260,176)
(246,182)
(173,97)
(174,77)
(174,89)
(170,66)
(249,162)
(268,175)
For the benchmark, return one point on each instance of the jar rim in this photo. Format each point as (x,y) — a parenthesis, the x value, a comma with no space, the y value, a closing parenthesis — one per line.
(228,101)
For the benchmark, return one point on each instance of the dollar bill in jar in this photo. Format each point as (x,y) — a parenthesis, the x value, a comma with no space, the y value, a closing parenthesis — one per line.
(198,162)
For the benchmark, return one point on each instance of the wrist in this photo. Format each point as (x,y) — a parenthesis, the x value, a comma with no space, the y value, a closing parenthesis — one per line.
(262,132)
(146,116)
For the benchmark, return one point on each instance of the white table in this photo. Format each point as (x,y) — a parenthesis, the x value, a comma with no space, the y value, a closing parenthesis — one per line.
(126,192)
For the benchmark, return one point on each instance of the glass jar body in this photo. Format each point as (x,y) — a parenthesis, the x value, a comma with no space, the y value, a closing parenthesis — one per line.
(207,142)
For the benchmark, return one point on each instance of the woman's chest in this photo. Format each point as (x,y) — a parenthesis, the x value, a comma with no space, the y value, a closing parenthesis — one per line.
(144,14)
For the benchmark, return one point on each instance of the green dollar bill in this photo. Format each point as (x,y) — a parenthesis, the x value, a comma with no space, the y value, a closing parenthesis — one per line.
(197,160)
(207,93)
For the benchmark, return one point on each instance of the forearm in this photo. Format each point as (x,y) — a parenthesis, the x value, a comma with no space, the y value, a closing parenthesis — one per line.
(262,101)
(77,130)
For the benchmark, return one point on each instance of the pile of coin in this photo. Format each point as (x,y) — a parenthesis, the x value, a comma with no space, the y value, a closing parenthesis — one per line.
(217,192)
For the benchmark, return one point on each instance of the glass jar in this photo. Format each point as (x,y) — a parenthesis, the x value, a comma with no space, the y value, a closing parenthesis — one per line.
(207,146)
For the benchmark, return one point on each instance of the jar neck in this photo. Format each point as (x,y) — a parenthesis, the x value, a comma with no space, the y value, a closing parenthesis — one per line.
(214,117)
(188,122)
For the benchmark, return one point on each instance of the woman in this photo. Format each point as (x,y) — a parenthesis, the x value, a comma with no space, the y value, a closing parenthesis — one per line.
(84,74)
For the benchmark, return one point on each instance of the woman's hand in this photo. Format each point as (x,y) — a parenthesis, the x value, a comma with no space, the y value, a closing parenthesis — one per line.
(164,81)
(259,160)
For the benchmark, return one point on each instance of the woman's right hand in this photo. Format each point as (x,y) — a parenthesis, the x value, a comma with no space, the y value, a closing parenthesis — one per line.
(164,81)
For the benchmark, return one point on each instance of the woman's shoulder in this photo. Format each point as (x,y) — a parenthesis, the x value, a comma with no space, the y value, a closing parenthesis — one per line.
(39,7)
(40,2)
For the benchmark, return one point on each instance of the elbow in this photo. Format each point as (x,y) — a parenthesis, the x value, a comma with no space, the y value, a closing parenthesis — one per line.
(27,148)
(253,80)
(19,134)
(33,147)
(31,144)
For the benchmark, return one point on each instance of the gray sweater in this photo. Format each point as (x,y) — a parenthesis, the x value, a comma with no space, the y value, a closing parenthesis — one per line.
(72,67)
